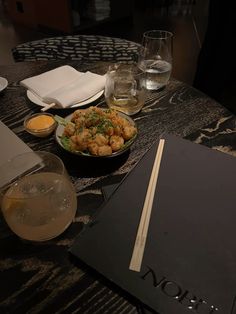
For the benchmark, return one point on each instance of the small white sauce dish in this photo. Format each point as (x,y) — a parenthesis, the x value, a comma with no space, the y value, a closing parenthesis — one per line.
(3,83)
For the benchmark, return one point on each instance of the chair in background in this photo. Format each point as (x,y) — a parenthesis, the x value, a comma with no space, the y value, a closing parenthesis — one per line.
(78,47)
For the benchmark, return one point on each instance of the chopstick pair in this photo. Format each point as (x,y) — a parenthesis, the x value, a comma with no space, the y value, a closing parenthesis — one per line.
(139,246)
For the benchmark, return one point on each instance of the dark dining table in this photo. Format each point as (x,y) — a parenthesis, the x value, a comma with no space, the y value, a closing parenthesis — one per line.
(44,277)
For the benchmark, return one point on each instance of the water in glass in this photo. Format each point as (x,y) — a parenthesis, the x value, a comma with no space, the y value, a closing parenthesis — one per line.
(157,73)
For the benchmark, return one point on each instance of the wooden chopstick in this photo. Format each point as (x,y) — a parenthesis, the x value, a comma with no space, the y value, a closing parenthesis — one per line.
(139,246)
(48,106)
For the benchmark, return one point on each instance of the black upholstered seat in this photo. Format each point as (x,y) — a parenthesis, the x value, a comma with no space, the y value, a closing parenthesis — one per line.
(78,47)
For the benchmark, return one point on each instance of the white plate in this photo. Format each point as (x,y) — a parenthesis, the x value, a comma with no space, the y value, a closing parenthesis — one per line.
(3,83)
(39,102)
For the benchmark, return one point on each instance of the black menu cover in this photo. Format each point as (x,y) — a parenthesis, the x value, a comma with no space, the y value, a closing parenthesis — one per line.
(189,263)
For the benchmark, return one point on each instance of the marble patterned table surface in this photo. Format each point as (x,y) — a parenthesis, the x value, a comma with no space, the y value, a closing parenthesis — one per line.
(44,278)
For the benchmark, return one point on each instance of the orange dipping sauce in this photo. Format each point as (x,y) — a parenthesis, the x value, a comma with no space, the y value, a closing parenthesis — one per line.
(40,122)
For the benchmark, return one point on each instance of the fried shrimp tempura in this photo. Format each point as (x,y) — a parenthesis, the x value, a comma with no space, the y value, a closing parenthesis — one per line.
(98,132)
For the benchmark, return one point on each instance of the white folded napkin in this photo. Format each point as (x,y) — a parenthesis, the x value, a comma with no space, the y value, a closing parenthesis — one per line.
(65,86)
